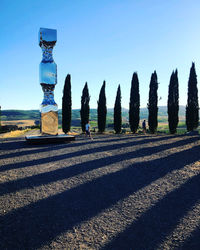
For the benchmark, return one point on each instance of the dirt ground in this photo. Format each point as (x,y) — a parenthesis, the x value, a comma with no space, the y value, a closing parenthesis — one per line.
(113,192)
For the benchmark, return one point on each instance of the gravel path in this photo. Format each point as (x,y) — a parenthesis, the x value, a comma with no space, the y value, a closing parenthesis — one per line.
(115,192)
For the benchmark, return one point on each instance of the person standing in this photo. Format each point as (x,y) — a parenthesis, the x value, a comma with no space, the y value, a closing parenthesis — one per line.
(87,130)
(144,127)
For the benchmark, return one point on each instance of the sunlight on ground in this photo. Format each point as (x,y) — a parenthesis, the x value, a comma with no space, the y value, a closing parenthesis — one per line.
(184,229)
(73,133)
(16,133)
(133,208)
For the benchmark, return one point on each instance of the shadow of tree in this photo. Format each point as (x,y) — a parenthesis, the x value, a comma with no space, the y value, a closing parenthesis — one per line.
(193,242)
(73,154)
(154,225)
(16,143)
(88,151)
(34,225)
(21,144)
(69,171)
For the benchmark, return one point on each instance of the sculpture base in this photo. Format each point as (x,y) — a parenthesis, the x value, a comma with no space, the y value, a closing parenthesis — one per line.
(49,123)
(49,139)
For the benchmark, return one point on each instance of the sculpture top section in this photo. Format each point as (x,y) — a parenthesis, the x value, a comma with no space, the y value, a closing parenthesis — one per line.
(47,37)
(48,68)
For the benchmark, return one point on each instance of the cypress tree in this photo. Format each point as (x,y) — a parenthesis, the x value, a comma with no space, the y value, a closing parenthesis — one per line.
(134,105)
(192,108)
(118,112)
(173,103)
(153,103)
(66,105)
(85,108)
(101,109)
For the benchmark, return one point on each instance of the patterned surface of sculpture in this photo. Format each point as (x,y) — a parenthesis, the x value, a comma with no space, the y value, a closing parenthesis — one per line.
(48,80)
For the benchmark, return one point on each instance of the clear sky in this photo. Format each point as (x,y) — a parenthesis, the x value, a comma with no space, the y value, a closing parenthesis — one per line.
(96,41)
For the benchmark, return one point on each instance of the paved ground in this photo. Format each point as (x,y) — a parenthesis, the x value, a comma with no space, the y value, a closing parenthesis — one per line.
(115,192)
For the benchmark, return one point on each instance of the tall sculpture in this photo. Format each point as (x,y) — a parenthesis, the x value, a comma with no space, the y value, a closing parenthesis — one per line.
(48,80)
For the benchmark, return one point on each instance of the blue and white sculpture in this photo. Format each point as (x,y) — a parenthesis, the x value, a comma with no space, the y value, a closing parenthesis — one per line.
(48,80)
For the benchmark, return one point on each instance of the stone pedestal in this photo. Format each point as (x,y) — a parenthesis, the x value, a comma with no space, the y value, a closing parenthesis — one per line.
(49,123)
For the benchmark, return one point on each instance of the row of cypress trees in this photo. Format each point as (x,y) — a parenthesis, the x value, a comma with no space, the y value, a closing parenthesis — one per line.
(85,109)
(192,108)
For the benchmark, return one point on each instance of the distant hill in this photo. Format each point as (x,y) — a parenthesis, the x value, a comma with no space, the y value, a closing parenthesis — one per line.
(10,115)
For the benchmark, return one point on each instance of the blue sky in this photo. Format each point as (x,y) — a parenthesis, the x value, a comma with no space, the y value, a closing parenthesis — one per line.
(96,41)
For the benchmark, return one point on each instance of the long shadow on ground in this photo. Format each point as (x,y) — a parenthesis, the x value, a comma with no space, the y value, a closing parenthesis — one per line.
(20,143)
(76,153)
(22,146)
(193,242)
(154,225)
(70,171)
(36,224)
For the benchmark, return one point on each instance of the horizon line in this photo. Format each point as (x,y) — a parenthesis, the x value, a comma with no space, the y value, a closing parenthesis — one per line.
(90,108)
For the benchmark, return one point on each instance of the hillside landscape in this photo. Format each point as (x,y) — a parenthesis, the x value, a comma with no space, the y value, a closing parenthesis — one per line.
(14,115)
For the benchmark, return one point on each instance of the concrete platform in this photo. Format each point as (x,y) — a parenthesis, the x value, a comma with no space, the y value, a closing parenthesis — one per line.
(45,139)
